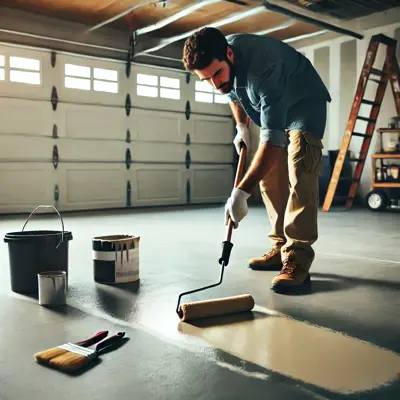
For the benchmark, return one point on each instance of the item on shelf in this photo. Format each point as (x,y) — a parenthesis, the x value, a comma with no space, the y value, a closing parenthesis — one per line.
(394,123)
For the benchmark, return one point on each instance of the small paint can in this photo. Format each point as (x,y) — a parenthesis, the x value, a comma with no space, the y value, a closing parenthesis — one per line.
(52,288)
(115,258)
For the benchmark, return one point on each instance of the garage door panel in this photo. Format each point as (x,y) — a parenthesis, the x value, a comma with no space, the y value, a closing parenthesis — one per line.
(26,148)
(158,184)
(157,126)
(211,153)
(211,183)
(158,152)
(92,122)
(22,117)
(92,186)
(208,129)
(89,81)
(23,66)
(82,150)
(158,89)
(24,186)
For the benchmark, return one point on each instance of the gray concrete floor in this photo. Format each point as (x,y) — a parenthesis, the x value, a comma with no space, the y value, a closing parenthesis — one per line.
(300,348)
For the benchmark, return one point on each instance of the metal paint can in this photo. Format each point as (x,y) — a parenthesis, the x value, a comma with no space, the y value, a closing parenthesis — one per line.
(52,288)
(116,258)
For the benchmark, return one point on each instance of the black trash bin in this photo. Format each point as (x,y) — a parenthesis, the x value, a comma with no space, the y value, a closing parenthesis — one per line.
(31,252)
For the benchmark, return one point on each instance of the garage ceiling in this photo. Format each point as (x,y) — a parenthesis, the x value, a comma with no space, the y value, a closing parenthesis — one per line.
(162,25)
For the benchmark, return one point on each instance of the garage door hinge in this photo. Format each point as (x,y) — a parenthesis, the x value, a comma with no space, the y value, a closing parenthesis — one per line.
(128,194)
(188,191)
(128,158)
(187,139)
(187,110)
(55,132)
(188,77)
(53,59)
(56,158)
(188,159)
(128,104)
(128,136)
(56,193)
(54,98)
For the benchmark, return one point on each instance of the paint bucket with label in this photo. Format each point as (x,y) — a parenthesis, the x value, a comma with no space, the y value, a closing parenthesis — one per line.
(32,252)
(116,258)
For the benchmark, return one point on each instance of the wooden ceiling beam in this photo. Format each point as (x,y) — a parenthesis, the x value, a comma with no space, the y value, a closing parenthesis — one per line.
(181,14)
(277,28)
(154,45)
(122,14)
(309,20)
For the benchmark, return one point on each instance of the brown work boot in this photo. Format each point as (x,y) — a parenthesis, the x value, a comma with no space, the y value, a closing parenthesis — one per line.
(271,261)
(292,277)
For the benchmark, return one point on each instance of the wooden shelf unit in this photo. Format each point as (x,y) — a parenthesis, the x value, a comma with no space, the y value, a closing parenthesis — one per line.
(385,156)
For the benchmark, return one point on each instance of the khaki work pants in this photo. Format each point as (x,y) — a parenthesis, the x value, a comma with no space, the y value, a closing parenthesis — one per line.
(290,194)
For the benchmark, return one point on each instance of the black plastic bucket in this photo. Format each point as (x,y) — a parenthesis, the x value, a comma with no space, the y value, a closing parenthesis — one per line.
(32,252)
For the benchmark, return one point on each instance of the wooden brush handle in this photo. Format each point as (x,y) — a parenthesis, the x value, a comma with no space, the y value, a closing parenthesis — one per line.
(94,339)
(111,341)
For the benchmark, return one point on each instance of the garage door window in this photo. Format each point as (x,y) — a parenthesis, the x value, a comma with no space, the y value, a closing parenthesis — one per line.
(77,77)
(24,70)
(2,74)
(170,88)
(80,77)
(147,85)
(105,80)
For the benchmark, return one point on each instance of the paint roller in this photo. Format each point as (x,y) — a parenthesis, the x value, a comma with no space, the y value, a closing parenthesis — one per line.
(229,305)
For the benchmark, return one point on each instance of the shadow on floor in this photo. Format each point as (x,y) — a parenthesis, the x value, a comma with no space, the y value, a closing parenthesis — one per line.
(116,302)
(319,286)
(352,281)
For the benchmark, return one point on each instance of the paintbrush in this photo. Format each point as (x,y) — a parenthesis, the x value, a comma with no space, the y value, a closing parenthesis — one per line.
(43,357)
(78,357)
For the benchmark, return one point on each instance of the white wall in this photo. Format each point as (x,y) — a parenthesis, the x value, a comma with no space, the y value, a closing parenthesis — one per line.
(343,66)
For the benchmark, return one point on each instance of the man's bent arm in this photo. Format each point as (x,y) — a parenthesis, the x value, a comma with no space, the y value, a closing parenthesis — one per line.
(238,113)
(266,156)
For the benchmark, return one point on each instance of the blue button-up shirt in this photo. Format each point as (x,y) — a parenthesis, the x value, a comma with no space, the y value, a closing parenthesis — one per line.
(271,79)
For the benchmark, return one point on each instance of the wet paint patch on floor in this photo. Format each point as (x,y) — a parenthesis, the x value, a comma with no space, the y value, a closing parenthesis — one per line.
(145,367)
(356,295)
(312,354)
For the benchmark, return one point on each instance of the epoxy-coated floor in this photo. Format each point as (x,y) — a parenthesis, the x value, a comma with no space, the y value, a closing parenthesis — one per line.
(341,340)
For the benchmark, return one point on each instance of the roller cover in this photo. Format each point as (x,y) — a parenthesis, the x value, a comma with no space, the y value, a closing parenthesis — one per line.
(213,308)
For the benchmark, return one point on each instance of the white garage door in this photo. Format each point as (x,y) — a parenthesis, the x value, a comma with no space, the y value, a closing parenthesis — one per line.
(77,133)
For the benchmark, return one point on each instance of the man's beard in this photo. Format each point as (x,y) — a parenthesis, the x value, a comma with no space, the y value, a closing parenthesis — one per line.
(226,87)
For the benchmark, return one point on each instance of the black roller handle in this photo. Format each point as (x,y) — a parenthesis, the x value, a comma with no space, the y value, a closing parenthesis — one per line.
(226,252)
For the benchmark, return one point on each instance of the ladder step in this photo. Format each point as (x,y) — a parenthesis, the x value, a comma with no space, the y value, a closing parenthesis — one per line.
(377,72)
(356,159)
(349,178)
(381,38)
(359,134)
(366,119)
(344,197)
(378,81)
(370,102)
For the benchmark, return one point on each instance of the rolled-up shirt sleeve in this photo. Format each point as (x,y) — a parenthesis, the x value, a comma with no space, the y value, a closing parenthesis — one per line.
(231,96)
(271,88)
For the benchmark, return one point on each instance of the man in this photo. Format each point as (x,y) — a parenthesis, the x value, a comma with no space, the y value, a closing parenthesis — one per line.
(281,92)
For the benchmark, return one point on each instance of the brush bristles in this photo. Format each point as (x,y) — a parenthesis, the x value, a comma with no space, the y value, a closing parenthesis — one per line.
(74,358)
(45,356)
(70,361)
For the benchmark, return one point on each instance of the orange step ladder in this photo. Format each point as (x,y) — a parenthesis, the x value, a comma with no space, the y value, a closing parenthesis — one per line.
(390,72)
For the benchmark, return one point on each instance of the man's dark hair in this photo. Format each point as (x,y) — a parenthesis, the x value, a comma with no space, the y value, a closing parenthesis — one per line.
(202,46)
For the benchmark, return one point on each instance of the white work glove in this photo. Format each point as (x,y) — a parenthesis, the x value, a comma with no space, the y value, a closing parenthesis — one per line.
(242,135)
(236,206)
